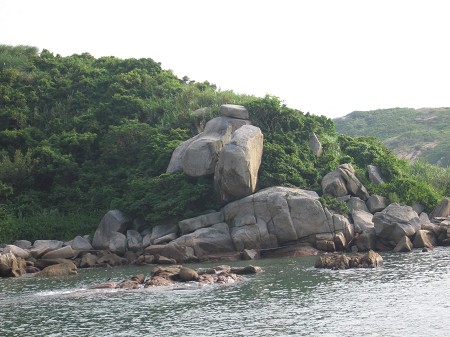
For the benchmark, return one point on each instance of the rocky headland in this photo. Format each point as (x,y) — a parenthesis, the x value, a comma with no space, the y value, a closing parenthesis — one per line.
(252,223)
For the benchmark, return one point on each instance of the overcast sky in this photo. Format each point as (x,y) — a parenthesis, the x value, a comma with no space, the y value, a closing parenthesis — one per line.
(328,57)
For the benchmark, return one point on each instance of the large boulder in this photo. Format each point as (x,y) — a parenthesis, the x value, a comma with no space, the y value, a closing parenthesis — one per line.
(354,186)
(24,244)
(40,247)
(376,203)
(315,145)
(80,243)
(236,172)
(159,232)
(362,221)
(374,174)
(233,110)
(404,245)
(395,222)
(134,241)
(62,253)
(17,251)
(9,266)
(288,214)
(442,210)
(62,269)
(109,234)
(424,239)
(198,156)
(333,184)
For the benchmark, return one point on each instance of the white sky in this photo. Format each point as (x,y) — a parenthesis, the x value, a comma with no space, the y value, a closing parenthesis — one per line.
(328,57)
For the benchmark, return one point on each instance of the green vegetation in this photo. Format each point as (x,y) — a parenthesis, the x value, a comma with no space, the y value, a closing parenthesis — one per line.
(81,135)
(409,133)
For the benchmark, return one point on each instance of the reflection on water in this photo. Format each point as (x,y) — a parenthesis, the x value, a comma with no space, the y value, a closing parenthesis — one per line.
(290,298)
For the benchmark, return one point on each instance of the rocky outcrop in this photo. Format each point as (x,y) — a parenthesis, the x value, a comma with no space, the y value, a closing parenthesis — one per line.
(374,174)
(229,147)
(395,222)
(343,181)
(370,259)
(9,266)
(236,171)
(315,145)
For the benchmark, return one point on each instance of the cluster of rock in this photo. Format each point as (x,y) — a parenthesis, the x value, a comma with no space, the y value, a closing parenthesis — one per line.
(177,275)
(370,259)
(229,148)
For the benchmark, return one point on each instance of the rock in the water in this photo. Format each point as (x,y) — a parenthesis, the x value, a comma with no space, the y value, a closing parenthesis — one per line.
(370,259)
(62,269)
(187,274)
(424,239)
(236,172)
(404,245)
(9,266)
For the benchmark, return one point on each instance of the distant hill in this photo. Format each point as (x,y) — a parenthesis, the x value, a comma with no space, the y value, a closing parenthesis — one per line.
(409,133)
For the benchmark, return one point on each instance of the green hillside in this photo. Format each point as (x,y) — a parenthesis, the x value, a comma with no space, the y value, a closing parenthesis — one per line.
(81,135)
(410,133)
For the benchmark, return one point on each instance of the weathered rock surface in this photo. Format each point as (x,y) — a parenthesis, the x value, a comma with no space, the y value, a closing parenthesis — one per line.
(424,239)
(315,145)
(24,244)
(17,251)
(134,241)
(191,225)
(62,253)
(395,222)
(374,174)
(343,181)
(404,245)
(9,266)
(62,269)
(233,110)
(376,203)
(442,210)
(236,172)
(370,259)
(109,234)
(80,243)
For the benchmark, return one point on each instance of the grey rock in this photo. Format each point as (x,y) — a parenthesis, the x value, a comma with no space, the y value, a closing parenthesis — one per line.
(366,241)
(24,244)
(356,204)
(61,253)
(376,203)
(236,172)
(362,220)
(191,225)
(424,239)
(81,243)
(334,185)
(165,239)
(235,111)
(134,241)
(160,231)
(442,210)
(113,223)
(315,145)
(395,222)
(403,245)
(374,174)
(354,186)
(17,251)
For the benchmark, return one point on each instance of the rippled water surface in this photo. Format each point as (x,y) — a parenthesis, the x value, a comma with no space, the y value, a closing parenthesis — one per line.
(410,295)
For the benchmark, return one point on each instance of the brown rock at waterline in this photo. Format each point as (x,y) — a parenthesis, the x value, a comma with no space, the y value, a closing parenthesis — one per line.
(370,259)
(62,269)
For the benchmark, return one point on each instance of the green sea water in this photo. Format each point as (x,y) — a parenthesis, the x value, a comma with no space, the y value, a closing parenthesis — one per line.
(408,296)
